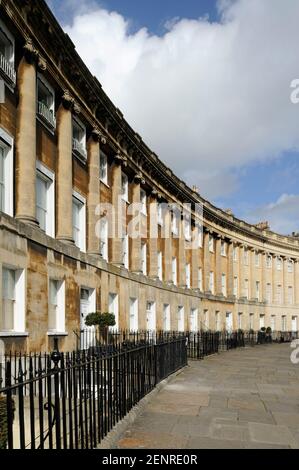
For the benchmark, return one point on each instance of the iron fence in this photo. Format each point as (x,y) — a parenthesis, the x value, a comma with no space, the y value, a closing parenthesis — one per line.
(72,400)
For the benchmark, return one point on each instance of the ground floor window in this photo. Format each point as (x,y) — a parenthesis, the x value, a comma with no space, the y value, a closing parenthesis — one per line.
(13,300)
(56,321)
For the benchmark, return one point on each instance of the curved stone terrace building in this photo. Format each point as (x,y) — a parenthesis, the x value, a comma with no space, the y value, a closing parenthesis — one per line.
(66,156)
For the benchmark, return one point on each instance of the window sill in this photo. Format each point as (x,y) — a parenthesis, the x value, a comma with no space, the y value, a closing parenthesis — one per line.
(45,124)
(8,334)
(105,183)
(57,333)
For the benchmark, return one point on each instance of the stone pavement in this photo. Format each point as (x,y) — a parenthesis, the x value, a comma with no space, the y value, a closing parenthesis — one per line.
(246,398)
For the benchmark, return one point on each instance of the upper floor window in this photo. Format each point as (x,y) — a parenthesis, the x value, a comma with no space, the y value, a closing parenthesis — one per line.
(279,294)
(79,220)
(236,285)
(211,244)
(279,264)
(45,102)
(124,187)
(6,173)
(290,266)
(257,290)
(290,295)
(200,287)
(257,259)
(125,251)
(187,228)
(235,254)
(7,55)
(269,262)
(246,256)
(269,293)
(104,238)
(45,203)
(160,266)
(223,248)
(143,201)
(174,223)
(188,275)
(79,139)
(103,168)
(143,258)
(246,288)
(160,214)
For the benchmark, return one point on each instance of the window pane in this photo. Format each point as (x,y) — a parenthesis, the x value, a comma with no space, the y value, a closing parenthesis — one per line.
(2,176)
(53,292)
(8,284)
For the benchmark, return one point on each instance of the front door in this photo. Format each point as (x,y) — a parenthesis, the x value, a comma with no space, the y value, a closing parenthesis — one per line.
(229,322)
(86,306)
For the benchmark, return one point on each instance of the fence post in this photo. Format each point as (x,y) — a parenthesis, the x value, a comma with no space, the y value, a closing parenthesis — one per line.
(56,357)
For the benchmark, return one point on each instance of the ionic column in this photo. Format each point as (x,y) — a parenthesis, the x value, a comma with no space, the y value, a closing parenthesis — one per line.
(218,267)
(136,215)
(285,284)
(206,262)
(153,236)
(26,136)
(182,255)
(264,275)
(252,273)
(230,269)
(116,242)
(93,196)
(241,271)
(64,169)
(194,257)
(167,234)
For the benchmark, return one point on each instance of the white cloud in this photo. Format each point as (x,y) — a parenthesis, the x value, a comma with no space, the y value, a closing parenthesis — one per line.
(283,215)
(206,97)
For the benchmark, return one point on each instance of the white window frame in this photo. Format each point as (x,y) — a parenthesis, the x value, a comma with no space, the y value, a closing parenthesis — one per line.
(160,265)
(150,315)
(240,318)
(290,266)
(166,317)
(143,199)
(251,321)
(7,144)
(80,149)
(273,322)
(235,254)
(160,214)
(79,199)
(257,259)
(143,250)
(269,292)
(246,257)
(174,223)
(188,275)
(246,288)
(125,251)
(283,323)
(181,318)
(187,228)
(124,187)
(19,310)
(60,313)
(104,177)
(279,294)
(279,262)
(104,229)
(11,76)
(47,175)
(269,262)
(229,321)
(217,320)
(40,116)
(257,290)
(223,248)
(206,319)
(133,326)
(113,307)
(193,322)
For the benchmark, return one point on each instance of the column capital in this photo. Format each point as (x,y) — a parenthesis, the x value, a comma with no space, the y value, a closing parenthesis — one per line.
(98,136)
(32,55)
(69,103)
(138,178)
(120,159)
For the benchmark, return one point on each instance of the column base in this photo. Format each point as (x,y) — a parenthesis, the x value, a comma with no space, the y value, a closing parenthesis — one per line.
(27,219)
(65,239)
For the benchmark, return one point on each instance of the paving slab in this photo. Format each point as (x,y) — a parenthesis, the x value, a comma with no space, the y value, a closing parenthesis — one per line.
(241,399)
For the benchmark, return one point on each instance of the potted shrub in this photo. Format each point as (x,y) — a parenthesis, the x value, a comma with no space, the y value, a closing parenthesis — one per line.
(102,321)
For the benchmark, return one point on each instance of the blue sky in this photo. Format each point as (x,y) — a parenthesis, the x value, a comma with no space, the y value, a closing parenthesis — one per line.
(244,145)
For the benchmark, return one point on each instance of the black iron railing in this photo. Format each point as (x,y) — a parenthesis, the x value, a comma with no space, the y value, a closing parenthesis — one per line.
(73,400)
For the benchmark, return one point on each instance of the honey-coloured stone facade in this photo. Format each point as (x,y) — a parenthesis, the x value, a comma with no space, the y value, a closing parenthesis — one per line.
(238,276)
